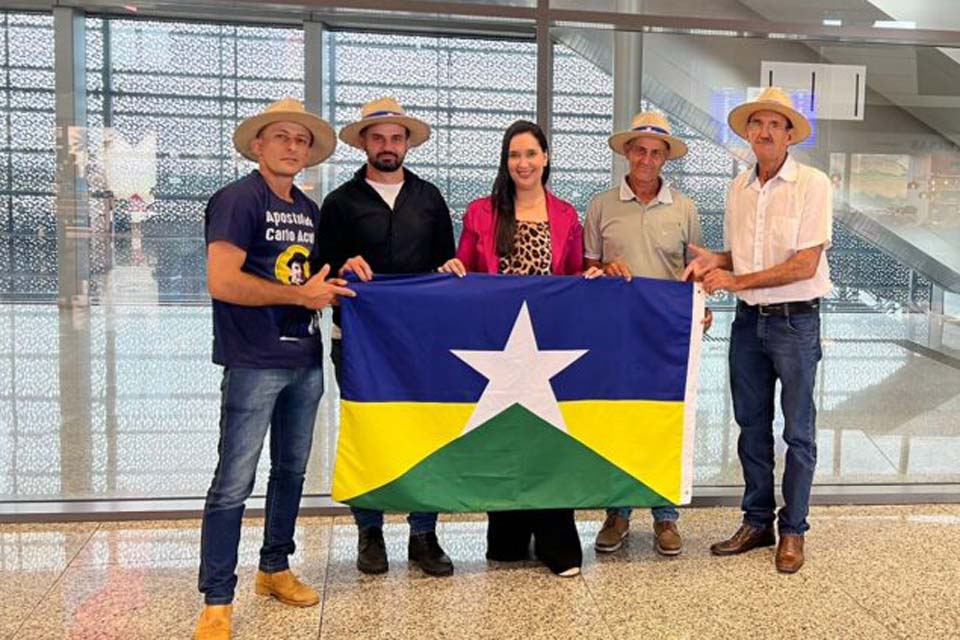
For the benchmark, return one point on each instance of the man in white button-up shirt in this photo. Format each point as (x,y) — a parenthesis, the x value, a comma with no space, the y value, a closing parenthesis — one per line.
(777,227)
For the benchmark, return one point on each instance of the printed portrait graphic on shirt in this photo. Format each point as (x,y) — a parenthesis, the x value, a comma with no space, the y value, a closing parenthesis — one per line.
(293,266)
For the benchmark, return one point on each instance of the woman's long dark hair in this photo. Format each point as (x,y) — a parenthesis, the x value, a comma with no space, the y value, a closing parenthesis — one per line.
(504,193)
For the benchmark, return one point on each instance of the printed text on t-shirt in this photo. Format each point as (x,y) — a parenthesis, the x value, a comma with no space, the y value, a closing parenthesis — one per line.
(273,234)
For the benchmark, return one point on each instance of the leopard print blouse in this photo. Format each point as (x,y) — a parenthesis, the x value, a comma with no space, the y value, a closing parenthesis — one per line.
(531,255)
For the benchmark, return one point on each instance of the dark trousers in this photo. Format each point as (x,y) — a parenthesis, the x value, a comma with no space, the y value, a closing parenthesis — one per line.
(556,542)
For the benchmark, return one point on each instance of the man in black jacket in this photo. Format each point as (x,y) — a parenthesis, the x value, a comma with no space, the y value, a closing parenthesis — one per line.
(386,220)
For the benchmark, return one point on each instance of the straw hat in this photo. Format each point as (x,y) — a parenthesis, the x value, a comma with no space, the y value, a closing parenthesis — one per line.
(648,124)
(771,99)
(385,110)
(287,110)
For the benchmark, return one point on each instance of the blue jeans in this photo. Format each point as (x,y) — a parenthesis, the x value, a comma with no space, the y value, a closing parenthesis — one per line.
(764,349)
(286,401)
(419,522)
(365,518)
(660,514)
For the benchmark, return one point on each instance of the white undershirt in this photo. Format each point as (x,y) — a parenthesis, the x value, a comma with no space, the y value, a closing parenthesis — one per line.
(388,192)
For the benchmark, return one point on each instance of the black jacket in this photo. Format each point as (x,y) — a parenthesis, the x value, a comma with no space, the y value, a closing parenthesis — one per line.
(416,237)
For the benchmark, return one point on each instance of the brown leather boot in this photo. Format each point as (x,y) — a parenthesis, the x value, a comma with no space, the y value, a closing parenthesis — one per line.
(789,553)
(668,540)
(287,588)
(214,622)
(746,538)
(611,536)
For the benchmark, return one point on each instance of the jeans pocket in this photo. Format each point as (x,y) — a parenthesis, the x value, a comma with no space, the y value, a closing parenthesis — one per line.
(807,324)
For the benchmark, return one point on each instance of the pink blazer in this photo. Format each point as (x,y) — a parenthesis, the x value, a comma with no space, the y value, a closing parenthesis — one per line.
(478,242)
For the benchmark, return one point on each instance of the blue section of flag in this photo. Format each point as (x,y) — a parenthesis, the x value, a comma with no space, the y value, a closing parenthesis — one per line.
(637,335)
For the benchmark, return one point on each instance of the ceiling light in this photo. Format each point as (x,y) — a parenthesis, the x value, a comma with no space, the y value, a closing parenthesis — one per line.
(895,24)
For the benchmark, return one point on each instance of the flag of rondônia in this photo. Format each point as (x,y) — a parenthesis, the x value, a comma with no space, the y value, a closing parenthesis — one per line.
(517,392)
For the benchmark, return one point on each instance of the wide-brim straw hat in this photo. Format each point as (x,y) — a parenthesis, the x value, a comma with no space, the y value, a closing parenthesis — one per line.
(649,124)
(287,110)
(770,99)
(385,110)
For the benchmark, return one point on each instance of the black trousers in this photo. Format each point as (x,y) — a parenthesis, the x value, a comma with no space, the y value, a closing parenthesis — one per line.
(556,542)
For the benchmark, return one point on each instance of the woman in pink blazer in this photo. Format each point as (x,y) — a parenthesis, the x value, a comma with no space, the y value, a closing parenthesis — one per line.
(478,248)
(497,229)
(523,229)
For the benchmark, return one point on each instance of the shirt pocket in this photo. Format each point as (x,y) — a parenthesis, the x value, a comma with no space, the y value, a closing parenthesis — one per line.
(784,230)
(784,223)
(669,234)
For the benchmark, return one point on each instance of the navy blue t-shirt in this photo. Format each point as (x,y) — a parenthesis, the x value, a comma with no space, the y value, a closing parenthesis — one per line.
(279,238)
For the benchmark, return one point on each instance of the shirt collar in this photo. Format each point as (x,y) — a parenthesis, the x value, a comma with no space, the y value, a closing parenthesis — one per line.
(788,172)
(664,196)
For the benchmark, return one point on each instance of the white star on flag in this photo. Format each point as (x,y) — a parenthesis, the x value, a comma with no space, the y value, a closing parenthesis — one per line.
(519,374)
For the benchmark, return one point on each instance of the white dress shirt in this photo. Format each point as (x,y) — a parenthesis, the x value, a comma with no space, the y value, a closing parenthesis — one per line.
(767,225)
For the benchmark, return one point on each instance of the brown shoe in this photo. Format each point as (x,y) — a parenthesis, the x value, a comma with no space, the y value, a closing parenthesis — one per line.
(746,538)
(668,541)
(214,622)
(615,529)
(285,587)
(790,553)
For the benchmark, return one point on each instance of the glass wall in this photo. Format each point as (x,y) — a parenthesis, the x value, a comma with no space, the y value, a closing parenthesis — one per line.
(861,19)
(582,119)
(866,268)
(115,396)
(160,140)
(889,377)
(468,89)
(28,251)
(142,410)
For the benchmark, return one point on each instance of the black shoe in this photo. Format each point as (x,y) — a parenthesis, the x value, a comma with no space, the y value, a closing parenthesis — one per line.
(371,551)
(426,552)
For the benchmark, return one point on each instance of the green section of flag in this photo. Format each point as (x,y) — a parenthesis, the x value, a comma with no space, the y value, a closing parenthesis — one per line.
(513,461)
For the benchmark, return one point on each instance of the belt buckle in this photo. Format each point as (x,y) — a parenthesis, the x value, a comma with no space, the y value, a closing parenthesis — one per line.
(761,311)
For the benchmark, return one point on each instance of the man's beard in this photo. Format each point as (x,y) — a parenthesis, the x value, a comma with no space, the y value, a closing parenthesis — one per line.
(386,162)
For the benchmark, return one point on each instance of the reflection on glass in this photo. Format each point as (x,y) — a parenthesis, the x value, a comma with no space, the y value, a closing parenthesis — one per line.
(120,399)
(160,141)
(878,183)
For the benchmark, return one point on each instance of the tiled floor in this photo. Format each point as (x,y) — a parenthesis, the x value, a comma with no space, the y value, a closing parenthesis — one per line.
(872,572)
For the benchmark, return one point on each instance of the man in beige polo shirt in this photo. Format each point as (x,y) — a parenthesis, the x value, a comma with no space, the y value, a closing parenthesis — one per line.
(642,228)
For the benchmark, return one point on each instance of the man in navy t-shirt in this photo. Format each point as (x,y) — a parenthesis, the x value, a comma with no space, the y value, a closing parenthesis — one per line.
(261,234)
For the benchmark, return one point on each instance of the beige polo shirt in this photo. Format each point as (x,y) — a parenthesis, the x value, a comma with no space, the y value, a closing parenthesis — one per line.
(650,238)
(766,225)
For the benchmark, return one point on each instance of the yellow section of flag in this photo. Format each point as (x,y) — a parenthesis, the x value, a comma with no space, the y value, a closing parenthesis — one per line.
(642,437)
(380,441)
